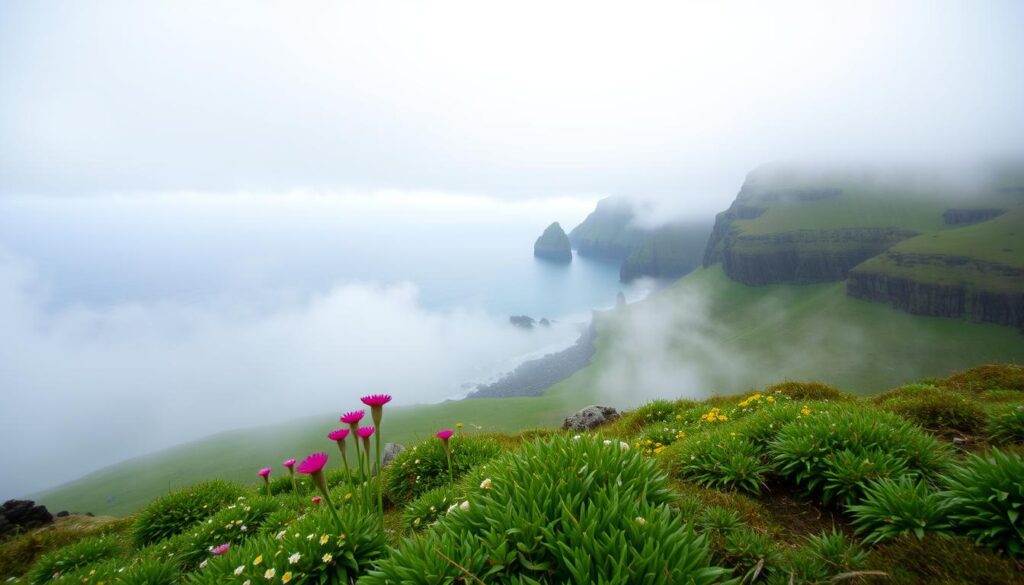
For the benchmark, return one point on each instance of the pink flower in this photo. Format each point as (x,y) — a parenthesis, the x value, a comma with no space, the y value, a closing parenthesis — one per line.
(376,400)
(219,550)
(351,418)
(313,463)
(365,432)
(289,463)
(444,434)
(264,472)
(315,499)
(338,435)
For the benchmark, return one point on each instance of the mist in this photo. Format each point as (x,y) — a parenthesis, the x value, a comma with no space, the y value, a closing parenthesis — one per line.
(215,215)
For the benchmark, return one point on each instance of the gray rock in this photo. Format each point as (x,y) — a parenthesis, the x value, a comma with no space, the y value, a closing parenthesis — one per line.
(590,417)
(391,450)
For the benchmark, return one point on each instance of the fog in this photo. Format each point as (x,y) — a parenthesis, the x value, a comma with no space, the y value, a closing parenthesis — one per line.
(534,99)
(215,214)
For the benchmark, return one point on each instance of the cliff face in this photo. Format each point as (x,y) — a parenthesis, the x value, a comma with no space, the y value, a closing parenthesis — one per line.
(804,256)
(668,251)
(608,233)
(943,286)
(553,245)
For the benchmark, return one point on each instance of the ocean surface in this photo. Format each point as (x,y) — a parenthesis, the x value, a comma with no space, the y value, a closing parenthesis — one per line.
(103,252)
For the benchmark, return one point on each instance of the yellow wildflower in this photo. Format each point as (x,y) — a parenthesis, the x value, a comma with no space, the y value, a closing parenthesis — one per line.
(325,538)
(805,411)
(328,557)
(458,425)
(286,577)
(257,561)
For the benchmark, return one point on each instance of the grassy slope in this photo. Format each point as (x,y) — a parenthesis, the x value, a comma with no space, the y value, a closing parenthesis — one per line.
(775,332)
(810,332)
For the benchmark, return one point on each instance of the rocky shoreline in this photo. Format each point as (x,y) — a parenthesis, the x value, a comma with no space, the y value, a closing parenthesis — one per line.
(533,377)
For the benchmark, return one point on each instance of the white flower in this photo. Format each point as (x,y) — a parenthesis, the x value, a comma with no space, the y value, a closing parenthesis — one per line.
(607,441)
(327,557)
(624,445)
(640,520)
(239,569)
(280,535)
(452,507)
(310,536)
(464,506)
(269,574)
(294,558)
(486,484)
(247,582)
(202,565)
(576,438)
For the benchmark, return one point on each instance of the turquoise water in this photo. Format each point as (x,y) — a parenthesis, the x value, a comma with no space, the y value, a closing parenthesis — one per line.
(108,253)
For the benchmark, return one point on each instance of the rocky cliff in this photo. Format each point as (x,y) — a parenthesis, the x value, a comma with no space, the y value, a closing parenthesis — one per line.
(804,256)
(667,251)
(553,245)
(942,286)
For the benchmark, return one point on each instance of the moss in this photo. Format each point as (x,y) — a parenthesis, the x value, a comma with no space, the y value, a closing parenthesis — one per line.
(937,560)
(938,410)
(988,377)
(808,391)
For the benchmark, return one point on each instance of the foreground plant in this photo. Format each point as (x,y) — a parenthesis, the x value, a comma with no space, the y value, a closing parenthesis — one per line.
(986,495)
(444,435)
(894,508)
(314,467)
(365,433)
(54,565)
(376,403)
(180,510)
(265,474)
(558,511)
(339,436)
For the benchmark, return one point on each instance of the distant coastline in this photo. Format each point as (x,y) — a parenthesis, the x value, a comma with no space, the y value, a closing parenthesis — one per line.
(533,377)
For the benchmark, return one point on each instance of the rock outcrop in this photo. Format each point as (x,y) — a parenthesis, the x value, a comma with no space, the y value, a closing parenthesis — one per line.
(969,216)
(968,287)
(21,515)
(553,245)
(590,417)
(804,256)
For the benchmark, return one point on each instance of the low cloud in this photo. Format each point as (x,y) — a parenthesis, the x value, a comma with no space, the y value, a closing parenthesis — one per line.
(86,386)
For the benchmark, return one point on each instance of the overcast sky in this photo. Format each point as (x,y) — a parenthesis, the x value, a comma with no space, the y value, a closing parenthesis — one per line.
(519,99)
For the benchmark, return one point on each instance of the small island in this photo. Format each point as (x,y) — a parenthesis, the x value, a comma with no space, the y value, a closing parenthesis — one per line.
(553,245)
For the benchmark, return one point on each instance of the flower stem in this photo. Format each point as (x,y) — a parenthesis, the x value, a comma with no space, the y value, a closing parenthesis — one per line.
(380,482)
(451,475)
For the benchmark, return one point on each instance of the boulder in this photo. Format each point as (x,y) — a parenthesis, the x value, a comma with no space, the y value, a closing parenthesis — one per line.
(590,417)
(21,515)
(391,450)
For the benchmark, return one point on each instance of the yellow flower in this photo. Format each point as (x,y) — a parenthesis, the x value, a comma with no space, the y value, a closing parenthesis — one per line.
(805,411)
(722,418)
(770,399)
(257,561)
(286,577)
(679,417)
(324,539)
(458,425)
(328,557)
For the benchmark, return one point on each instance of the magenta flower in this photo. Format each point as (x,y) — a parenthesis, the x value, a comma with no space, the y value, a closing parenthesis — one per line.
(351,418)
(365,432)
(315,499)
(376,400)
(445,434)
(219,550)
(264,472)
(312,464)
(338,434)
(289,463)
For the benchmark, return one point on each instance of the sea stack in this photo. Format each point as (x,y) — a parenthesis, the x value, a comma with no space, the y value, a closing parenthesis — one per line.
(553,245)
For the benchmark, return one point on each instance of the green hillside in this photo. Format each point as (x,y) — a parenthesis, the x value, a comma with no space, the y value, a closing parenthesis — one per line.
(763,334)
(777,332)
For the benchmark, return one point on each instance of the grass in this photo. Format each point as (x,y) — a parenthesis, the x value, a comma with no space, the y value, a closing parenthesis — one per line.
(784,532)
